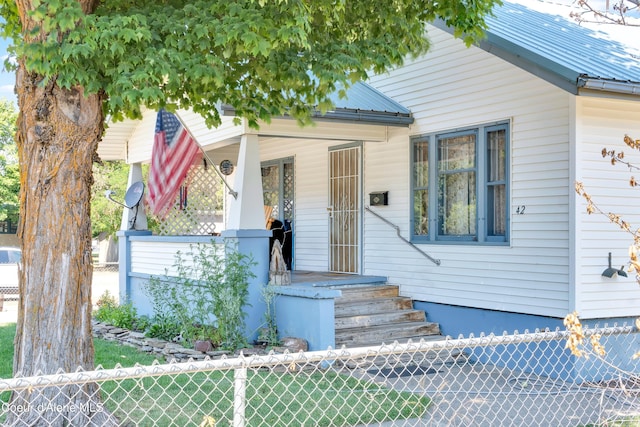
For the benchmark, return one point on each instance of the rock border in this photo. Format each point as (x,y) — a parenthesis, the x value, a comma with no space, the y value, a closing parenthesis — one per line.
(174,352)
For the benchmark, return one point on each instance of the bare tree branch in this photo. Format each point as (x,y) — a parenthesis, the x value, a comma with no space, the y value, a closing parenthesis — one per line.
(618,14)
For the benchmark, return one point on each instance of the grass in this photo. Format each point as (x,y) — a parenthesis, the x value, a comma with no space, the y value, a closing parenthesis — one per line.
(630,422)
(274,398)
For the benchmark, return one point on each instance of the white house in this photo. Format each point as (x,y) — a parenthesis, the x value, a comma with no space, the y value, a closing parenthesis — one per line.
(473,153)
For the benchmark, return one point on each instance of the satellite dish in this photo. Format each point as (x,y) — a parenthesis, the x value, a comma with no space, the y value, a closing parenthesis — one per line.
(134,194)
(132,197)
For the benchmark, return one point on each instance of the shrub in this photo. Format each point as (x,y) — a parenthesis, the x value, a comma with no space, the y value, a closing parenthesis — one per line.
(163,327)
(119,315)
(208,295)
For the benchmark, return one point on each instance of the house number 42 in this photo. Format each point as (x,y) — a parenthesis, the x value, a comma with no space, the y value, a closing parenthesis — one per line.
(520,210)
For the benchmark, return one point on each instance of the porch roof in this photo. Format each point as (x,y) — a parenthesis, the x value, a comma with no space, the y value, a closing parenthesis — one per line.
(363,106)
(362,103)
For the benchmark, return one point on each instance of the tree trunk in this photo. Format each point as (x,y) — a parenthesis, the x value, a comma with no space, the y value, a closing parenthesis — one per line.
(58,134)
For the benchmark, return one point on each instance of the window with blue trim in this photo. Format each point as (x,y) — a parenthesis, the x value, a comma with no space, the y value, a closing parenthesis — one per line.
(459,185)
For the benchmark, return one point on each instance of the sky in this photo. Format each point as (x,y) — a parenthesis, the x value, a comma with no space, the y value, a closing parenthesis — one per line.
(7,80)
(561,7)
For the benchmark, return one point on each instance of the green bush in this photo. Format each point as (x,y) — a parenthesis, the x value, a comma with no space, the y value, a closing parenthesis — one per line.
(163,327)
(119,315)
(268,333)
(207,297)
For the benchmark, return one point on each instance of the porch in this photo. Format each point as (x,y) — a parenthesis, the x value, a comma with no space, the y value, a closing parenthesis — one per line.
(329,279)
(326,309)
(336,309)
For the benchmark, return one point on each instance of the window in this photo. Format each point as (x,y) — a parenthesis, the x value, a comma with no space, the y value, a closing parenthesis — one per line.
(459,185)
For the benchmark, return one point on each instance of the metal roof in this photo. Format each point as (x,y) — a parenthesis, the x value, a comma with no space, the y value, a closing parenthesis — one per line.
(363,104)
(555,48)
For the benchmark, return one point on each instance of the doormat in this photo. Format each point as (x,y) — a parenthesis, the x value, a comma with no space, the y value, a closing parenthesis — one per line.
(402,371)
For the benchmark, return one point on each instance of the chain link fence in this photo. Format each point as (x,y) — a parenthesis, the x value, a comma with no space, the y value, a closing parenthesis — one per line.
(525,379)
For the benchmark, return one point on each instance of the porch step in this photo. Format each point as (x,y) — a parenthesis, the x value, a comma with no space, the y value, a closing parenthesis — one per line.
(379,318)
(376,305)
(374,335)
(351,293)
(372,314)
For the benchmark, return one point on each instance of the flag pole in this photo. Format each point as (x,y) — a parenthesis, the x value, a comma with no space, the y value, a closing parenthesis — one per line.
(206,156)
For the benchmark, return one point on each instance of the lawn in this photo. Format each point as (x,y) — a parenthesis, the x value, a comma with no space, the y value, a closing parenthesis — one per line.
(274,398)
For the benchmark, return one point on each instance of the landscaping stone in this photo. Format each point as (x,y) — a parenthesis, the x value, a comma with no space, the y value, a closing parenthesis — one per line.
(156,342)
(175,352)
(294,345)
(139,343)
(203,346)
(190,351)
(217,354)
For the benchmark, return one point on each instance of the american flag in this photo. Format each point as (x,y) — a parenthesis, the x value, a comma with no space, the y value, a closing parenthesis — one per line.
(174,151)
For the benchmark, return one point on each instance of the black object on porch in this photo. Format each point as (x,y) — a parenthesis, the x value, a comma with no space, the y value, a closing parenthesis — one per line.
(282,232)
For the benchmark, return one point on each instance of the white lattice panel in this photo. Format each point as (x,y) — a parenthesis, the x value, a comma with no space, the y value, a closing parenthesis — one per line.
(198,209)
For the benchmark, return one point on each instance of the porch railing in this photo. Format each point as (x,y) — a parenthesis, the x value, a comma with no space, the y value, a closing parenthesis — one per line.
(401,237)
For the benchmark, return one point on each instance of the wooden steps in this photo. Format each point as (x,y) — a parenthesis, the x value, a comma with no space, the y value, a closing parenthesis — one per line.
(374,314)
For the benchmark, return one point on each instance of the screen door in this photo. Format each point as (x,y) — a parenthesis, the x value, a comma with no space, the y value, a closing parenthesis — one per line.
(344,209)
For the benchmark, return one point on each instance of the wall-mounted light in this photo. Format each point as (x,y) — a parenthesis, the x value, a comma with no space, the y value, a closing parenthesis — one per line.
(610,271)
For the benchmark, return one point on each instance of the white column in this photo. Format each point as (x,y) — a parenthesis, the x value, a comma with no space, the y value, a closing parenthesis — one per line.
(138,218)
(247,211)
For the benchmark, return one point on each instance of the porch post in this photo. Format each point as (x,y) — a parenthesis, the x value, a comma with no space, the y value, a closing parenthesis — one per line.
(247,211)
(132,219)
(246,227)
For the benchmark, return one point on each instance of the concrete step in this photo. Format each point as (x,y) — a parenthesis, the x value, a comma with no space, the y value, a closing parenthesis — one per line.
(352,293)
(379,318)
(377,305)
(385,333)
(404,340)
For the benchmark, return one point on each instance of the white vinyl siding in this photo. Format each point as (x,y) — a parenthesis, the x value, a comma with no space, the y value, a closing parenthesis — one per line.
(158,258)
(603,123)
(453,87)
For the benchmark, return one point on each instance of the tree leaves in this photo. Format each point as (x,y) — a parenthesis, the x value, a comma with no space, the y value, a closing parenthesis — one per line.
(9,172)
(264,58)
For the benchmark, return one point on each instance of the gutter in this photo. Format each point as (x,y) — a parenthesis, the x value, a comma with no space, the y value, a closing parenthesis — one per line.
(351,115)
(372,117)
(609,85)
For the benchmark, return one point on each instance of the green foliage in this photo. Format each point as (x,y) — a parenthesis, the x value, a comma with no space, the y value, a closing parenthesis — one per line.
(9,171)
(264,58)
(106,215)
(119,315)
(164,327)
(268,334)
(207,296)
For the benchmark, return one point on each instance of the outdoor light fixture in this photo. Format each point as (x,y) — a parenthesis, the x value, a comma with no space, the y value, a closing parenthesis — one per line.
(610,272)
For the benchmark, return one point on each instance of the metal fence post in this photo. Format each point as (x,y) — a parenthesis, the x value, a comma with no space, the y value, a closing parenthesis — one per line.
(239,396)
